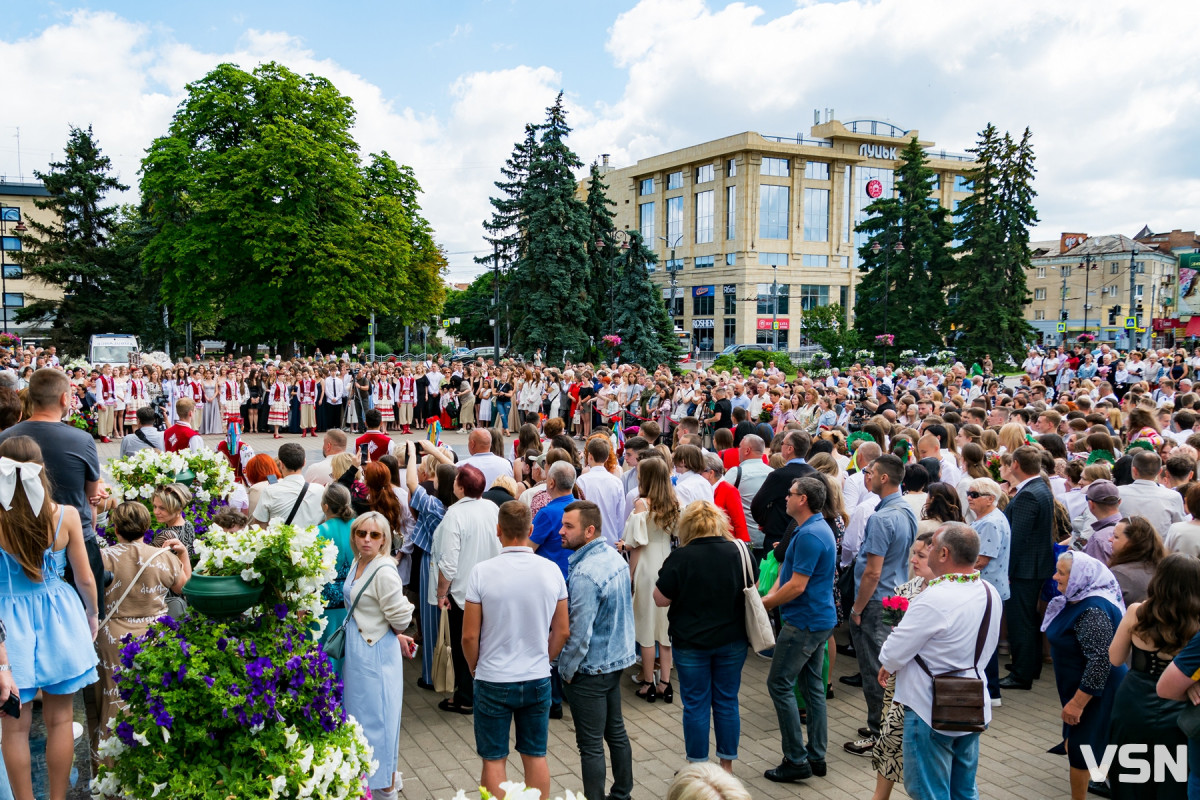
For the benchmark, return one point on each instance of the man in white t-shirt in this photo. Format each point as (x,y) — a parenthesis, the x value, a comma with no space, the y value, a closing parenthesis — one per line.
(512,600)
(291,499)
(479,445)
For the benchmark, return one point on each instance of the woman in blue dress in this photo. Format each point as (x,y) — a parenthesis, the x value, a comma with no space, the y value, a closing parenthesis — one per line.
(376,646)
(50,633)
(1080,624)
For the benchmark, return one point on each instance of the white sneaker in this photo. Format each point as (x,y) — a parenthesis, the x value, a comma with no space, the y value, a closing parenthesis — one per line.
(398,781)
(995,702)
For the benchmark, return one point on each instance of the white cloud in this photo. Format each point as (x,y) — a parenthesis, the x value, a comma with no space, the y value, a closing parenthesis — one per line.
(1109,101)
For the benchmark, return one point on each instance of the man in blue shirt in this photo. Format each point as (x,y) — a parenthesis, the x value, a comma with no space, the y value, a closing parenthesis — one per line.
(805,602)
(546,541)
(599,647)
(880,566)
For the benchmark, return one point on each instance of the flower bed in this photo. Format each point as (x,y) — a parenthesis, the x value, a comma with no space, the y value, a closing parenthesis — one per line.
(205,471)
(251,703)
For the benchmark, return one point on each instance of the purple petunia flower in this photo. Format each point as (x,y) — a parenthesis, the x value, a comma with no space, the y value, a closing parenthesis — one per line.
(125,733)
(209,681)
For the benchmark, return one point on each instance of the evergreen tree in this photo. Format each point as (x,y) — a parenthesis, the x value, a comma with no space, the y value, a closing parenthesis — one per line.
(604,258)
(646,330)
(914,303)
(551,271)
(74,252)
(503,230)
(988,290)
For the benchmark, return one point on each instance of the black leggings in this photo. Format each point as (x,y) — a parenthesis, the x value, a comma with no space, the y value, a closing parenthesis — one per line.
(464,686)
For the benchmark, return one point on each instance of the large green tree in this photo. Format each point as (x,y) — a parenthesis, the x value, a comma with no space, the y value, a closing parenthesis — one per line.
(646,330)
(604,258)
(551,273)
(264,216)
(89,252)
(473,309)
(988,291)
(905,285)
(826,326)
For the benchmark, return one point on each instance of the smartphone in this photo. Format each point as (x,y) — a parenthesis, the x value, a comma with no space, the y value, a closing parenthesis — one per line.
(271,479)
(364,456)
(413,654)
(12,706)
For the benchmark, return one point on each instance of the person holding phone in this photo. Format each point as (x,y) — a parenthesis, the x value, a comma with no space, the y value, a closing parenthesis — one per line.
(376,646)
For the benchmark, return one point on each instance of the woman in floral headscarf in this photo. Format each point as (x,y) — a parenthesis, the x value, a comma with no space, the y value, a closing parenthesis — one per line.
(1080,624)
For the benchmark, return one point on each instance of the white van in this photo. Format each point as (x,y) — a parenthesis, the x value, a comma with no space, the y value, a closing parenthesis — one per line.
(112,348)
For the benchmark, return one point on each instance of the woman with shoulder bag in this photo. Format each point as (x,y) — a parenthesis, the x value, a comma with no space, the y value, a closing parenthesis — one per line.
(375,646)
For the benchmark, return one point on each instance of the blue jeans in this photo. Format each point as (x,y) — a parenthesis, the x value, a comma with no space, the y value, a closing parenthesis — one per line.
(503,409)
(799,655)
(710,679)
(498,705)
(937,766)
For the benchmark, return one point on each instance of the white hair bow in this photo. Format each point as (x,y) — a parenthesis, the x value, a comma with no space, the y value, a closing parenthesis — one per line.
(31,479)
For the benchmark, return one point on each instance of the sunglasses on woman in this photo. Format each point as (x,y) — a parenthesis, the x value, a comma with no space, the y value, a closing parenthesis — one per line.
(372,534)
(976,495)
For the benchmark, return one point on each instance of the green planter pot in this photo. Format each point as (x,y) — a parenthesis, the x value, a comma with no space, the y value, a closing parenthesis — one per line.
(221,595)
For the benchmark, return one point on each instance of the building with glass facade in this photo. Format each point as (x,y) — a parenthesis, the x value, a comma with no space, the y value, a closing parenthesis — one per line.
(16,209)
(748,223)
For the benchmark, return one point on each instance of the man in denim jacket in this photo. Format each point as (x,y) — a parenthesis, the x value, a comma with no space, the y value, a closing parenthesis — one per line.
(598,648)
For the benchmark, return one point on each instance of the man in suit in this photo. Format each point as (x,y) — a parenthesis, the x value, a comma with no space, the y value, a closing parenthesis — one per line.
(769,507)
(1031,517)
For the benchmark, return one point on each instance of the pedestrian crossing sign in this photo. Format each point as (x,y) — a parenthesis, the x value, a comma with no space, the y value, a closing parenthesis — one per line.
(1062,327)
(1130,323)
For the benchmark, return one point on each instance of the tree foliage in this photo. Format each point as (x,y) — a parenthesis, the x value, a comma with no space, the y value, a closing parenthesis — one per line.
(89,252)
(906,287)
(988,288)
(646,330)
(604,259)
(265,220)
(473,308)
(826,326)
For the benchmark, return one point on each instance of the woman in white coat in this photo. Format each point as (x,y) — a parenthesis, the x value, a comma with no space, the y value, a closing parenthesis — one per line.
(376,646)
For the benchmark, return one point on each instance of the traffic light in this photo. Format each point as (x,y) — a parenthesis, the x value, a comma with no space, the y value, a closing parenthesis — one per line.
(1112,315)
(1063,316)
(1117,310)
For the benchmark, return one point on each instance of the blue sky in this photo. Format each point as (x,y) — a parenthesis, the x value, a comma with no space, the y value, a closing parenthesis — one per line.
(446,87)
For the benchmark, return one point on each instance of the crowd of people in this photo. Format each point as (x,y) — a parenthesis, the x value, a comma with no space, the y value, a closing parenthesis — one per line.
(631,526)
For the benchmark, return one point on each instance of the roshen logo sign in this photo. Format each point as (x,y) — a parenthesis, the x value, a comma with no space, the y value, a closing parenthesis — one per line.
(1132,757)
(877,151)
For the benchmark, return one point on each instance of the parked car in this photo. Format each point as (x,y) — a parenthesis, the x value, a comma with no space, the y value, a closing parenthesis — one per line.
(478,352)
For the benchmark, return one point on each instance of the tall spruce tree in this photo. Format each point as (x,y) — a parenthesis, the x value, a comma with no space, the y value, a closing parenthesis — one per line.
(604,258)
(906,286)
(73,253)
(988,290)
(646,330)
(552,270)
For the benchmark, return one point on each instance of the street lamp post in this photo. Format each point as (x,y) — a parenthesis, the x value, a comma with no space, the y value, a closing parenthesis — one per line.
(1133,252)
(672,270)
(7,214)
(887,286)
(1062,309)
(496,301)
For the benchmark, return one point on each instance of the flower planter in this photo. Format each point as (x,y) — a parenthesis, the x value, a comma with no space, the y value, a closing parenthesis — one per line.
(221,595)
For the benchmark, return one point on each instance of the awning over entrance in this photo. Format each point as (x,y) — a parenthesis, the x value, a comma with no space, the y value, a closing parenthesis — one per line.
(1193,327)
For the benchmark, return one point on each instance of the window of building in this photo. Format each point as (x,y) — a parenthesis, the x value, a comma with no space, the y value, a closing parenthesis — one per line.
(843,295)
(779,167)
(1041,272)
(817,170)
(731,168)
(844,262)
(731,259)
(815,261)
(816,215)
(646,222)
(1039,314)
(813,295)
(1139,291)
(849,226)
(1141,267)
(768,338)
(773,259)
(1066,271)
(647,186)
(703,337)
(704,305)
(1114,268)
(674,221)
(961,184)
(704,217)
(14,300)
(705,262)
(13,272)
(1039,294)
(730,212)
(730,291)
(730,336)
(705,174)
(674,180)
(674,306)
(773,212)
(936,183)
(10,243)
(674,264)
(764,298)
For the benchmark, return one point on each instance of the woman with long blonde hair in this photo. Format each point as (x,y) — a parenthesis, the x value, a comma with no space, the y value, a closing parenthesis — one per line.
(1012,436)
(647,538)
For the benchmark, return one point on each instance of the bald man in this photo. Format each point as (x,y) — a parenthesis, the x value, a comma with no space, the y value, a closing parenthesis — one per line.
(479,445)
(855,490)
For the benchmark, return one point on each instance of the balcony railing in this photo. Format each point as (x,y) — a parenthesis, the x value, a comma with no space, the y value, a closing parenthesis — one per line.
(799,139)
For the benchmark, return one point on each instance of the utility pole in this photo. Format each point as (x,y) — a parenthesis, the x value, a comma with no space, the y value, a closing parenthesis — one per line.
(775,307)
(1132,289)
(496,302)
(372,337)
(1062,311)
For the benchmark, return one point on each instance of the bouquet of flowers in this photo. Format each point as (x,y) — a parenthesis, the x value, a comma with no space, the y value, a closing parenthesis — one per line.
(293,562)
(993,462)
(894,608)
(207,472)
(83,420)
(765,414)
(10,340)
(1084,338)
(612,340)
(885,338)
